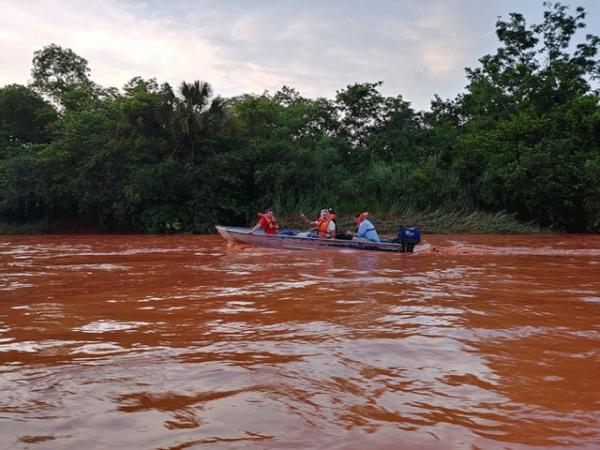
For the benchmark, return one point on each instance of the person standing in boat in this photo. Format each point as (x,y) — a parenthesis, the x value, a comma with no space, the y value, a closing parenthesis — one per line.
(324,226)
(365,228)
(267,222)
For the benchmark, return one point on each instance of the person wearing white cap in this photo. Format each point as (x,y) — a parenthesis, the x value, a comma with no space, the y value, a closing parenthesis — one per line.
(324,226)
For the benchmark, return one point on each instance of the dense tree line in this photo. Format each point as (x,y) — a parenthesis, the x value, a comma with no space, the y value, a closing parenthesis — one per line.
(523,137)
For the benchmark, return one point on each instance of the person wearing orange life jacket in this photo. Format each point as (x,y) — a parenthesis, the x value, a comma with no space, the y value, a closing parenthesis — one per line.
(267,222)
(324,226)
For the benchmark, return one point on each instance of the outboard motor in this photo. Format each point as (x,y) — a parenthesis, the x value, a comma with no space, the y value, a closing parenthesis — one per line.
(408,237)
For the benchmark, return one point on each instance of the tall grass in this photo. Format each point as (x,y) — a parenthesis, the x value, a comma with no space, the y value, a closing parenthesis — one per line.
(460,220)
(434,221)
(445,220)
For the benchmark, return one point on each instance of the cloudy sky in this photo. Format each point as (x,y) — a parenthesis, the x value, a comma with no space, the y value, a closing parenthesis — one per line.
(418,48)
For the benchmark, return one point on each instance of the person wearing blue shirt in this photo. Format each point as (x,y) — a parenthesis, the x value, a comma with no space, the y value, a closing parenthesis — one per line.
(366,229)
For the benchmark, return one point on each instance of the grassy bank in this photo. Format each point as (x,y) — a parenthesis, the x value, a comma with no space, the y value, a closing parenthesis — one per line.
(434,222)
(431,222)
(57,226)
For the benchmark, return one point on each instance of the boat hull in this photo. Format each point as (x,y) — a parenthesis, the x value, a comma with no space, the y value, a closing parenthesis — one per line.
(259,239)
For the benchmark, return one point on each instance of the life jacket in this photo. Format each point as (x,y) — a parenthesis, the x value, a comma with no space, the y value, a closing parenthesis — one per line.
(272,225)
(322,225)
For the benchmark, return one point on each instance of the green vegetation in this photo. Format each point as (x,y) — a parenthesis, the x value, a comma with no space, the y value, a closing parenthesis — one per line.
(520,144)
(438,221)
(23,228)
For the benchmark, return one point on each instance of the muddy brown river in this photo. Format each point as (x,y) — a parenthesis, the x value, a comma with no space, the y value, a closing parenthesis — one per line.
(154,342)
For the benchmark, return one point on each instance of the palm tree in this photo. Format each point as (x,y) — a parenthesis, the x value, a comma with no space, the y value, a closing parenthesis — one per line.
(190,112)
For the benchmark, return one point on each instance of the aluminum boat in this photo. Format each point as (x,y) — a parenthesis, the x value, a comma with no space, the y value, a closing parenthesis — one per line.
(260,239)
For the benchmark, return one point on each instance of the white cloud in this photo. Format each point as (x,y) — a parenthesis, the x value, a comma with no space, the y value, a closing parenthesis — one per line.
(418,48)
(118,45)
(247,29)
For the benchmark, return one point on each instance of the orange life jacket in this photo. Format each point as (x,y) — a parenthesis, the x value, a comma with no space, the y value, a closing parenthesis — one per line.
(322,225)
(272,225)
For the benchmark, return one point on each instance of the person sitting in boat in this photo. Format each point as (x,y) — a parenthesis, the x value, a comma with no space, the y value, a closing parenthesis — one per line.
(365,228)
(323,227)
(333,216)
(267,222)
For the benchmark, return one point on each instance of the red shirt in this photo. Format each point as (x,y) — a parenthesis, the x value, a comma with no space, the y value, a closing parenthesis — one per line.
(264,224)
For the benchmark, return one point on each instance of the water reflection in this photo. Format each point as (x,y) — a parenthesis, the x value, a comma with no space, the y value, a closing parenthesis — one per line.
(182,342)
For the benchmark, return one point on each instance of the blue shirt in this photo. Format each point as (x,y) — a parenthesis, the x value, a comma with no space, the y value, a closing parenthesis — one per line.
(367,230)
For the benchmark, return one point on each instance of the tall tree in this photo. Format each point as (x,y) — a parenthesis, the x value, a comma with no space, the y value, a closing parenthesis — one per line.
(525,144)
(61,74)
(361,107)
(194,118)
(24,117)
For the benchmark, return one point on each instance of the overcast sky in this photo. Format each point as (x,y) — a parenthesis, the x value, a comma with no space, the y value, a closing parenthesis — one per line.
(418,48)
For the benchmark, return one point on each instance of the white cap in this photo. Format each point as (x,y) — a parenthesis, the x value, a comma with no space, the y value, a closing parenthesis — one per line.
(324,211)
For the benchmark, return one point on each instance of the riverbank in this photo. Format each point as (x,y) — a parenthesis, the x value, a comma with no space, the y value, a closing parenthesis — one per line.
(435,222)
(62,226)
(430,222)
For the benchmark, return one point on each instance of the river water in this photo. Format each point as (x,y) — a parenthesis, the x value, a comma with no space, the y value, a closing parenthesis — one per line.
(154,342)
